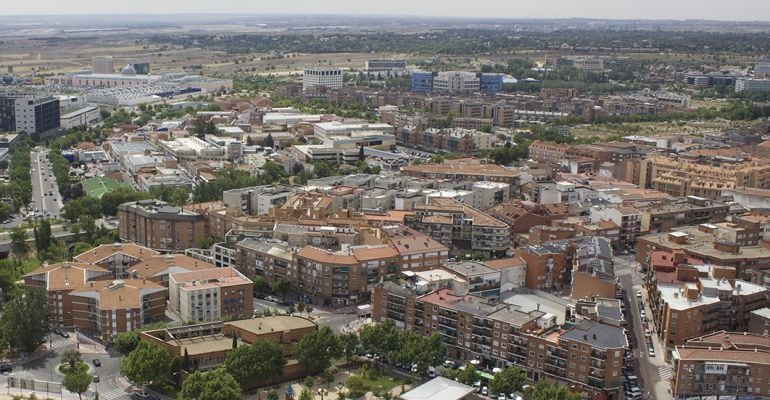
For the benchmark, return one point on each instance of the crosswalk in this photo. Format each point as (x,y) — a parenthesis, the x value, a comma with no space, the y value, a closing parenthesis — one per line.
(113,394)
(665,373)
(61,343)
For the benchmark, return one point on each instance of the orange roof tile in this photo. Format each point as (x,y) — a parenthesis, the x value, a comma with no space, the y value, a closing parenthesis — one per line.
(105,251)
(168,263)
(66,275)
(120,294)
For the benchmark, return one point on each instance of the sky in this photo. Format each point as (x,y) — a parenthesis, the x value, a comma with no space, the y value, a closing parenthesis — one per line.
(739,10)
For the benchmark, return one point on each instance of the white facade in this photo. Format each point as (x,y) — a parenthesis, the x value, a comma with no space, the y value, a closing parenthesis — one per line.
(329,77)
(487,194)
(752,85)
(26,120)
(83,117)
(191,148)
(323,130)
(456,81)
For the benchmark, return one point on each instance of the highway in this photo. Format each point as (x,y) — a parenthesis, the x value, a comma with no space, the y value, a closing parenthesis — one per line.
(46,200)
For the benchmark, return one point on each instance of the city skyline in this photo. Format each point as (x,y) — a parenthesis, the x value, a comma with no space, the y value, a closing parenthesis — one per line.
(740,10)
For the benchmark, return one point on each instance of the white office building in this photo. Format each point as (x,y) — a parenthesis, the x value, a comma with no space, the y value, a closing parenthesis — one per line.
(328,77)
(456,82)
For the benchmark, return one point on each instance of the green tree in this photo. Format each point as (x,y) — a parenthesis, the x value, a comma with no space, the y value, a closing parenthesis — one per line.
(19,239)
(216,384)
(256,362)
(43,235)
(361,154)
(24,320)
(71,357)
(305,394)
(260,284)
(110,201)
(126,342)
(322,169)
(381,339)
(206,242)
(273,395)
(316,350)
(269,142)
(77,382)
(281,286)
(349,344)
(468,375)
(548,391)
(508,380)
(147,363)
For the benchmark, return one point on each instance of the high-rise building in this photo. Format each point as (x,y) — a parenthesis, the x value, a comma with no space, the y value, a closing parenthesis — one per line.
(103,65)
(29,113)
(422,81)
(328,77)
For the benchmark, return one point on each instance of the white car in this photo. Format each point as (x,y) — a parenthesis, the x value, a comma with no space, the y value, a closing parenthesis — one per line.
(638,294)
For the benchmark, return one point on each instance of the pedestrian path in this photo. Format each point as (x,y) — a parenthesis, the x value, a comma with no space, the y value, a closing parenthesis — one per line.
(61,343)
(665,373)
(113,394)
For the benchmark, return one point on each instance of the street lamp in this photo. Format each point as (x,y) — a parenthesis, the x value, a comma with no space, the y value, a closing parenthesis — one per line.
(322,392)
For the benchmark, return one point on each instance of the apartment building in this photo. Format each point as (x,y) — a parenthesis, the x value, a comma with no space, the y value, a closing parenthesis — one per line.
(691,210)
(416,250)
(59,280)
(707,243)
(523,216)
(628,220)
(105,308)
(268,259)
(457,225)
(116,257)
(211,294)
(207,345)
(682,177)
(257,200)
(463,172)
(759,321)
(588,356)
(456,82)
(160,226)
(722,363)
(547,152)
(158,268)
(344,277)
(684,310)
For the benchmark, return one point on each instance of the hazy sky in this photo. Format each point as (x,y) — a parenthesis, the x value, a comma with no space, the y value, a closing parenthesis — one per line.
(616,9)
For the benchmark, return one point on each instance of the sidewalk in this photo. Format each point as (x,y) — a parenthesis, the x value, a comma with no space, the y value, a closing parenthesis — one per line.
(662,388)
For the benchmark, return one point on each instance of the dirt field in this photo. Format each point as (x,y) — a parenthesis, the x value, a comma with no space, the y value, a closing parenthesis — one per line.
(52,57)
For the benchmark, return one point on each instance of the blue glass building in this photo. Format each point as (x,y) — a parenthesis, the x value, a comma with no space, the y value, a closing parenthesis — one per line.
(422,81)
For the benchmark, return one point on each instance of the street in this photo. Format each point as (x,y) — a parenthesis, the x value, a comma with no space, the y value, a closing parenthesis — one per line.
(44,368)
(653,372)
(46,199)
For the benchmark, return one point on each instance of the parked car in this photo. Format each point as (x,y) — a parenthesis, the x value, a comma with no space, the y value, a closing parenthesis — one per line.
(273,299)
(484,390)
(95,378)
(96,362)
(6,368)
(651,352)
(638,294)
